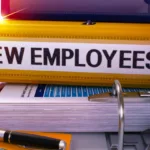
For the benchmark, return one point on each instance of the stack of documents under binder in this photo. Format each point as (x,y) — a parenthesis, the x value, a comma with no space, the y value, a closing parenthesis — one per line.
(67,109)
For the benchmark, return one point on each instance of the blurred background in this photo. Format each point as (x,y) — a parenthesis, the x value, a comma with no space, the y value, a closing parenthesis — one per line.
(80,6)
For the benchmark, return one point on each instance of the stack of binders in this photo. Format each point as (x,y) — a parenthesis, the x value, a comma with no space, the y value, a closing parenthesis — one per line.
(54,67)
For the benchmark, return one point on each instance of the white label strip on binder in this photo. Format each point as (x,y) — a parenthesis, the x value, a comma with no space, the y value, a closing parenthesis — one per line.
(78,57)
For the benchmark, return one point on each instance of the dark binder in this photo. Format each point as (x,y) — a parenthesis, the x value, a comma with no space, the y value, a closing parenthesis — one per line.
(133,11)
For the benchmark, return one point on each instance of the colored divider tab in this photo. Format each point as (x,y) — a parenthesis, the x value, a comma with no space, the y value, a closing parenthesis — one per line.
(124,90)
(85,93)
(105,89)
(79,91)
(99,90)
(90,91)
(74,92)
(52,91)
(40,90)
(95,90)
(47,91)
(58,91)
(63,91)
(68,91)
(110,89)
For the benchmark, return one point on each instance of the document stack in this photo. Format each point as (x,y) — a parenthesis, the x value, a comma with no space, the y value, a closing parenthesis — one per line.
(67,109)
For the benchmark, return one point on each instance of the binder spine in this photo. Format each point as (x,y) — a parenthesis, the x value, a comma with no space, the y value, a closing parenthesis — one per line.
(73,33)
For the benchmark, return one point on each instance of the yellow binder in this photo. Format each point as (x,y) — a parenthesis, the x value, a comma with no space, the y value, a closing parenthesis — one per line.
(127,44)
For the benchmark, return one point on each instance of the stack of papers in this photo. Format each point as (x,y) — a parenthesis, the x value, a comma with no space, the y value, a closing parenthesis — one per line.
(67,109)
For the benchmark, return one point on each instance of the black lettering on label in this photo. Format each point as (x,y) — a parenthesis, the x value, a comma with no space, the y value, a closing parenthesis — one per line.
(34,56)
(51,58)
(136,59)
(123,58)
(1,55)
(109,57)
(65,57)
(99,56)
(148,58)
(77,63)
(14,54)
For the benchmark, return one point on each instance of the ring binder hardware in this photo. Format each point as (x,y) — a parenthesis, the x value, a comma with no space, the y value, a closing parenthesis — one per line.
(132,141)
(89,22)
(130,97)
(117,91)
(146,138)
